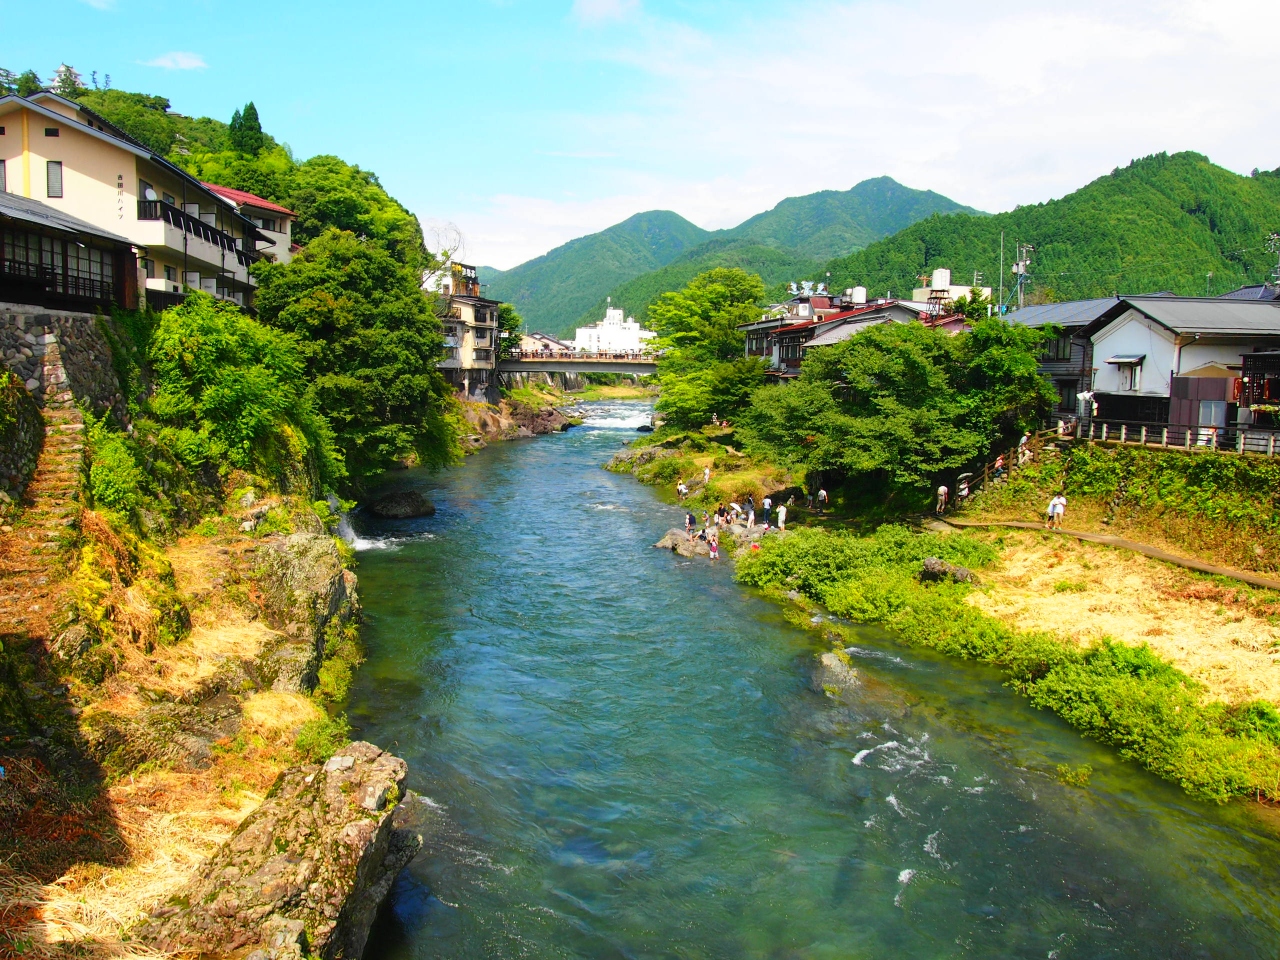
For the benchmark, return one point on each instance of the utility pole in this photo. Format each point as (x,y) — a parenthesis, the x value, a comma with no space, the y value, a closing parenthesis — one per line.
(1001,301)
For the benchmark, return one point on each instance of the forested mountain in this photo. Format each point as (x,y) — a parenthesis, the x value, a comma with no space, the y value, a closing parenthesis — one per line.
(774,266)
(833,223)
(555,288)
(568,285)
(1162,223)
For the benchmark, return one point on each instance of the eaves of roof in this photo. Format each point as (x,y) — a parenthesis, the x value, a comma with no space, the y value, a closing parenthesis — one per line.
(1198,316)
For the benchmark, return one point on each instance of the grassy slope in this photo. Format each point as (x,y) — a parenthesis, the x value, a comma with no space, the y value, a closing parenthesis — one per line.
(1161,223)
(1124,696)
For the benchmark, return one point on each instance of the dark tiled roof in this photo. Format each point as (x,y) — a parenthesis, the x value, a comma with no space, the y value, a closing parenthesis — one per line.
(1075,313)
(1260,291)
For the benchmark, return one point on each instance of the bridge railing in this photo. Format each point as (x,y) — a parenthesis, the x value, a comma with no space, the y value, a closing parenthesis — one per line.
(622,356)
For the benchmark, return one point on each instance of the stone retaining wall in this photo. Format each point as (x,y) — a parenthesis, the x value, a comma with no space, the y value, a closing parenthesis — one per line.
(60,356)
(21,437)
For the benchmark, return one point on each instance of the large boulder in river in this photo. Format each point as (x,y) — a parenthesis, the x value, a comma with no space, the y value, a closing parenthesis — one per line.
(677,541)
(401,505)
(304,874)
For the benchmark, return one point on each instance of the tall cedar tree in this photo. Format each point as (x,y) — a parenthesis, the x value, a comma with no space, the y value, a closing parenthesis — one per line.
(370,339)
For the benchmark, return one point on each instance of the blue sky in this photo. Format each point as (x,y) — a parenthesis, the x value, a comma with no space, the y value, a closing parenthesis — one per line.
(524,124)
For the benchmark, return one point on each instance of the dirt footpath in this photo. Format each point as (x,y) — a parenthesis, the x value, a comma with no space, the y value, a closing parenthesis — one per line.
(1225,634)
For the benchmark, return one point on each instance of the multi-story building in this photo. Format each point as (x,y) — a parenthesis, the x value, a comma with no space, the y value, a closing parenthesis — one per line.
(470,330)
(616,333)
(187,236)
(274,222)
(53,260)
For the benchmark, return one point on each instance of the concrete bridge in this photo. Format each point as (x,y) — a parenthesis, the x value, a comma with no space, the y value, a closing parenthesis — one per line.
(629,364)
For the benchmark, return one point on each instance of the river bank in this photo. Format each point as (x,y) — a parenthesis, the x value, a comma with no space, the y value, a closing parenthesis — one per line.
(631,754)
(141,741)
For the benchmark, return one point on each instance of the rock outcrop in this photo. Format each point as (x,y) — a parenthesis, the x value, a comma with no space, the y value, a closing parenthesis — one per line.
(304,589)
(934,570)
(834,675)
(402,505)
(677,541)
(304,874)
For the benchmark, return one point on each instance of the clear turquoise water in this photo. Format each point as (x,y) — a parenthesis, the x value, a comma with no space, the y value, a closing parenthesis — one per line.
(629,761)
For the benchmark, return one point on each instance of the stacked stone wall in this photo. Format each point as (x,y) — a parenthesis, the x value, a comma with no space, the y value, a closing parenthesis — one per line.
(60,356)
(21,438)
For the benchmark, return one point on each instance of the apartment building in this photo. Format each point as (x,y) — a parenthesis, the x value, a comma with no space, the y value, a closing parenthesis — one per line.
(187,236)
(470,330)
(273,221)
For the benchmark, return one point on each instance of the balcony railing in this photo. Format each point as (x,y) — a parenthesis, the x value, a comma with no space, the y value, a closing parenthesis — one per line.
(159,210)
(52,281)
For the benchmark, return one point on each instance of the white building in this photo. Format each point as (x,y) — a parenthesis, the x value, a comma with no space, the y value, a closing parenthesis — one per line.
(614,334)
(942,289)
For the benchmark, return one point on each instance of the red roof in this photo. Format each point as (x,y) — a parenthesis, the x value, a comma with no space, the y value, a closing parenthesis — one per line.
(857,311)
(241,199)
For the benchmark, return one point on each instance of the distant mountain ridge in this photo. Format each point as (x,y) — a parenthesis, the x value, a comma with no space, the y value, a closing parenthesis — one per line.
(555,290)
(1166,222)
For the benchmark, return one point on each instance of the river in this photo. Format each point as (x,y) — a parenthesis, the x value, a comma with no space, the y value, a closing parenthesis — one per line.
(624,758)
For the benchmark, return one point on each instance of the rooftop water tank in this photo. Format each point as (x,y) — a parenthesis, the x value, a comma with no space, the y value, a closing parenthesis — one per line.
(941,278)
(859,295)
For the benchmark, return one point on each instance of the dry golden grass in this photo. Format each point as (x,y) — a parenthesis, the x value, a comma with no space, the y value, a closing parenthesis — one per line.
(171,822)
(1222,636)
(277,716)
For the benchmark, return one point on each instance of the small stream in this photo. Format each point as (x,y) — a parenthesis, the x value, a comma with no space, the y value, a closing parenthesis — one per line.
(624,758)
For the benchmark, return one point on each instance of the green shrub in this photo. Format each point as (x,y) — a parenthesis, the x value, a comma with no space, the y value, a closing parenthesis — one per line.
(318,740)
(116,482)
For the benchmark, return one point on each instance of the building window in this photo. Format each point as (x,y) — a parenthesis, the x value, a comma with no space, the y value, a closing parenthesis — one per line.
(1131,377)
(170,199)
(1,131)
(170,274)
(51,131)
(4,186)
(53,181)
(146,191)
(1058,349)
(149,268)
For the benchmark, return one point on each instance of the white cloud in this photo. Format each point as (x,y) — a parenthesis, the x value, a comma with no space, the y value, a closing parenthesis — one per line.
(100,4)
(989,104)
(177,60)
(594,11)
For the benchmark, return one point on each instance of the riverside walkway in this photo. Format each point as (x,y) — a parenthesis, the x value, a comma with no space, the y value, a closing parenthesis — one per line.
(1143,548)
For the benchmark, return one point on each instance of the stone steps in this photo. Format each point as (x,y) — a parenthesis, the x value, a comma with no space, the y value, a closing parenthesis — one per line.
(31,596)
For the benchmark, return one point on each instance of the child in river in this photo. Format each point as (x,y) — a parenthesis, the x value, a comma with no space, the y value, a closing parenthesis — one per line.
(713,542)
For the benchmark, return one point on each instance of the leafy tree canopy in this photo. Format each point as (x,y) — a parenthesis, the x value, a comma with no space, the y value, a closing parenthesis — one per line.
(509,325)
(369,340)
(245,131)
(900,405)
(228,389)
(703,370)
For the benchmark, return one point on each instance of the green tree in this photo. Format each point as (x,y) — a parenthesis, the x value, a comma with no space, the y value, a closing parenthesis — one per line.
(900,405)
(231,391)
(699,324)
(245,131)
(370,341)
(509,324)
(327,192)
(8,82)
(28,83)
(974,307)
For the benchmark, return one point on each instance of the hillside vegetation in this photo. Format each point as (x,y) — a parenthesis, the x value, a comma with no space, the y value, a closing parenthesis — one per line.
(568,285)
(1161,223)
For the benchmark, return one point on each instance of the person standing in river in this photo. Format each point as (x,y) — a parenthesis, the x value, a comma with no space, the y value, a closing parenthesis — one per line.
(690,521)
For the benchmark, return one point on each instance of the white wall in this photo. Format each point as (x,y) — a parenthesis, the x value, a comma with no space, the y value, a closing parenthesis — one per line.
(1131,335)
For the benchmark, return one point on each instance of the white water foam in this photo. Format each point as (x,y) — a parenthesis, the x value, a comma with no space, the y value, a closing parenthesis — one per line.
(904,877)
(360,544)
